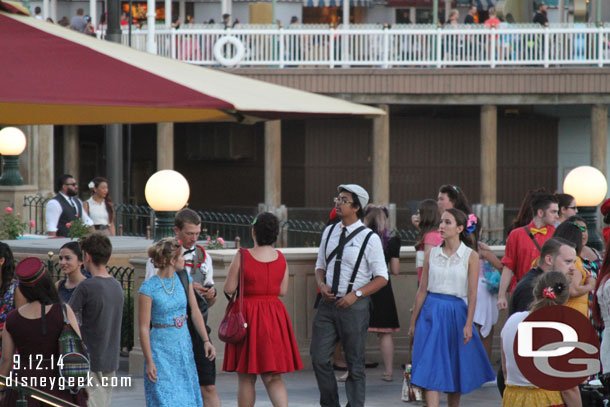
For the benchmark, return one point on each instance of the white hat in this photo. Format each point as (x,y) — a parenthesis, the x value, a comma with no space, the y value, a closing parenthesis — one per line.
(360,192)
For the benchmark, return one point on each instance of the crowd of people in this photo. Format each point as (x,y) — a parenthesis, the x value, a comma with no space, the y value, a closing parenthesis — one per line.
(546,263)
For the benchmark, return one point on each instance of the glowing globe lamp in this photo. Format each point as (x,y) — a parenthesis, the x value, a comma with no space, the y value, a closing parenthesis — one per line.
(166,191)
(12,144)
(588,186)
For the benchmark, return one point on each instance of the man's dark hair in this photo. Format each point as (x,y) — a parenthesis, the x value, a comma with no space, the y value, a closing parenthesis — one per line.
(62,180)
(225,16)
(98,246)
(552,246)
(37,10)
(542,201)
(266,228)
(355,203)
(186,215)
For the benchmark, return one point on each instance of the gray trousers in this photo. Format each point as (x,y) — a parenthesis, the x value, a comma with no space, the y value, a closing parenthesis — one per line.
(331,325)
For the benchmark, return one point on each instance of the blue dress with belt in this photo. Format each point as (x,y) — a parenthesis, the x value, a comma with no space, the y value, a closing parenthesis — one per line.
(172,350)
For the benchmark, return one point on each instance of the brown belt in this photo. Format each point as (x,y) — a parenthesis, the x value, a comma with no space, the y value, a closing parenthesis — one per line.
(178,323)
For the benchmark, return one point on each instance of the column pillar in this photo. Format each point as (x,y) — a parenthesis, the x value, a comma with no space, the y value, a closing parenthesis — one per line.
(447,10)
(273,163)
(168,14)
(54,10)
(599,129)
(151,45)
(182,11)
(45,10)
(46,165)
(381,158)
(114,161)
(93,12)
(71,161)
(165,146)
(489,147)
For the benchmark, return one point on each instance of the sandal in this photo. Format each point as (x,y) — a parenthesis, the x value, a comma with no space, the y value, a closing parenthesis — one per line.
(386,377)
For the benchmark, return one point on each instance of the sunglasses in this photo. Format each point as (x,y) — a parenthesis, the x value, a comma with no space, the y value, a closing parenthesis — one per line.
(583,229)
(72,184)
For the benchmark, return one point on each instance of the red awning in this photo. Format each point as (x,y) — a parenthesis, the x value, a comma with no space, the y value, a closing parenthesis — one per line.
(54,75)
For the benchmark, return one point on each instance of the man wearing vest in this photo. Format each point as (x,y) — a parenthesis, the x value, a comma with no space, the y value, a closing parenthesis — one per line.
(523,244)
(187,226)
(350,267)
(65,207)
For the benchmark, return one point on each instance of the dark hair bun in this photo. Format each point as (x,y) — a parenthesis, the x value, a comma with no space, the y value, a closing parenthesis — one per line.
(266,228)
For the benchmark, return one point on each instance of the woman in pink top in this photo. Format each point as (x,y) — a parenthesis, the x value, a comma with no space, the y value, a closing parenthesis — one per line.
(429,236)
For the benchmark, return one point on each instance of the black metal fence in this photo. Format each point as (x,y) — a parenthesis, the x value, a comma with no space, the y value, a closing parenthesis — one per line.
(228,226)
(125,276)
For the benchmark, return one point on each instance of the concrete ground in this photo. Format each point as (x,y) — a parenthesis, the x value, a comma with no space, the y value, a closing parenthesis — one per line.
(303,392)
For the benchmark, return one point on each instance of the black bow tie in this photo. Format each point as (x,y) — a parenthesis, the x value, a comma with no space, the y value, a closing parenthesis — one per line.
(189,250)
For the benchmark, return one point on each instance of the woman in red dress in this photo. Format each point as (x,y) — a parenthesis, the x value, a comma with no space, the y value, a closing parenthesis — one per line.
(269,348)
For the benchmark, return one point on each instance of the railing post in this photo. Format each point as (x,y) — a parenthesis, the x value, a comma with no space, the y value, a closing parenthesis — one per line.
(492,48)
(546,47)
(281,47)
(439,48)
(600,46)
(331,41)
(172,44)
(386,47)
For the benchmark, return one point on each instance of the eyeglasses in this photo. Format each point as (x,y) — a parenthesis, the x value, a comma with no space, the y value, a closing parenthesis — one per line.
(72,184)
(583,229)
(572,207)
(340,201)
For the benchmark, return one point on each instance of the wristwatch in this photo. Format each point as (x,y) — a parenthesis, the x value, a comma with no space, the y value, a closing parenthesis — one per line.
(358,294)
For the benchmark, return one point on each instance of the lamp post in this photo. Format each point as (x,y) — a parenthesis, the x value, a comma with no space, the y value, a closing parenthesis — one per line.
(12,144)
(166,191)
(588,186)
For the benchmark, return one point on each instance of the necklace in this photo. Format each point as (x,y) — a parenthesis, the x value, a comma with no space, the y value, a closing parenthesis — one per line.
(169,292)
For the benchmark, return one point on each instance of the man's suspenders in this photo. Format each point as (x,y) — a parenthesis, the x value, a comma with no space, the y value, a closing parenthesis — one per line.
(357,265)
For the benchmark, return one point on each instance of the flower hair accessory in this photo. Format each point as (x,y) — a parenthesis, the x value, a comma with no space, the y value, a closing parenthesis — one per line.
(91,185)
(548,293)
(471,224)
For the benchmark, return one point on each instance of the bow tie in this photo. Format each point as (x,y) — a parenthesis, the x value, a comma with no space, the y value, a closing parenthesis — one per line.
(193,249)
(541,231)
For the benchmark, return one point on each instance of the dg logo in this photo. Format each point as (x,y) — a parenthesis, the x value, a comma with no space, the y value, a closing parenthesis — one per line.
(556,348)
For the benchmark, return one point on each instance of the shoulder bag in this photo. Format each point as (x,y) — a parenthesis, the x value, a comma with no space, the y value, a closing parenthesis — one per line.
(73,359)
(233,326)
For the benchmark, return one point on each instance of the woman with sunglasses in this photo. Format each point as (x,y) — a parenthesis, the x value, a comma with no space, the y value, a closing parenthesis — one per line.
(567,207)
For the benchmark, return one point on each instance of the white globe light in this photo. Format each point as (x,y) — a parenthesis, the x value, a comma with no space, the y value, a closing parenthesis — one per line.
(12,141)
(587,185)
(167,190)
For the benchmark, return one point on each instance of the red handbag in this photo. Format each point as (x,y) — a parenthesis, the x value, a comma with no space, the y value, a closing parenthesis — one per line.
(233,326)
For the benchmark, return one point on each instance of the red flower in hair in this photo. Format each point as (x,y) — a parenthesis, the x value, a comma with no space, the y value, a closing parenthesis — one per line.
(548,293)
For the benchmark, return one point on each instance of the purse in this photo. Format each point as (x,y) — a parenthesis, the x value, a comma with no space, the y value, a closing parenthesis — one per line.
(73,358)
(233,326)
(410,392)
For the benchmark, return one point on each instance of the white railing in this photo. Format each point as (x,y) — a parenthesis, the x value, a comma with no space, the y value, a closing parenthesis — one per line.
(396,47)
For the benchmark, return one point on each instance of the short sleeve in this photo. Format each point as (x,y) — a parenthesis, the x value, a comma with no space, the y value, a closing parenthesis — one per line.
(78,297)
(394,247)
(190,278)
(146,288)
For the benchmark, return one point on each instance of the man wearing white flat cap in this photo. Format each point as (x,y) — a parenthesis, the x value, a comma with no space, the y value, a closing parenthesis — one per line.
(350,267)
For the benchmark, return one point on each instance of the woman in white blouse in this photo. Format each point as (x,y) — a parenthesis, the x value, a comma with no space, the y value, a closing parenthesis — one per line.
(448,355)
(100,207)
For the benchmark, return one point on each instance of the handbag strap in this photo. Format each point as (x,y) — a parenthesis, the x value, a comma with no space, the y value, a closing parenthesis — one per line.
(184,280)
(43,319)
(240,287)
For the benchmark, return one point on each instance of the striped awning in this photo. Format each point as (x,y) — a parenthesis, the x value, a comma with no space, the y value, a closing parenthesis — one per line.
(337,3)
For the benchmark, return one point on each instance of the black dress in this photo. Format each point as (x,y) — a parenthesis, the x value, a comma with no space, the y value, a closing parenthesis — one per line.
(384,317)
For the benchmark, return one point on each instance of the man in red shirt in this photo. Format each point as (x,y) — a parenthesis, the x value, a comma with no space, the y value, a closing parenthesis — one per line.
(523,244)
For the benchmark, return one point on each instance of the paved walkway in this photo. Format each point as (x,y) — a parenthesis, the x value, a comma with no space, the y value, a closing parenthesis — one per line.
(303,392)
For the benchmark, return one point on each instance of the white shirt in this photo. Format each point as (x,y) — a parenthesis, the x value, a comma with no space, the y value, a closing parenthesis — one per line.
(449,275)
(373,262)
(53,212)
(98,212)
(205,270)
(513,374)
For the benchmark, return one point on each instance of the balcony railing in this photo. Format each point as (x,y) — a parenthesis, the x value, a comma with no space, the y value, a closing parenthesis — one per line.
(414,46)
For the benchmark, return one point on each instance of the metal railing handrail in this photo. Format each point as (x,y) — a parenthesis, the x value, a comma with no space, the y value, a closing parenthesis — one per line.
(402,46)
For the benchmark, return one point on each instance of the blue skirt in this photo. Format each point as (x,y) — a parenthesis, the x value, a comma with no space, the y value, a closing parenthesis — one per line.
(441,361)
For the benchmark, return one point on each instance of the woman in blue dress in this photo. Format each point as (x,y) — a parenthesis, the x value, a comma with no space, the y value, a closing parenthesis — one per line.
(448,355)
(170,377)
